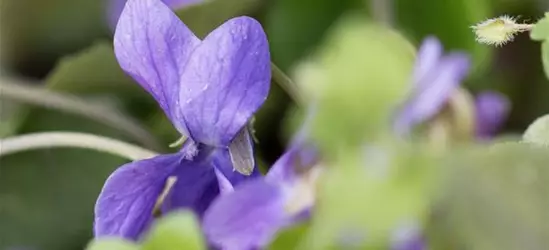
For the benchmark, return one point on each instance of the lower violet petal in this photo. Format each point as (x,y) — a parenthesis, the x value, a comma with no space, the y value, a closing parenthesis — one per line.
(195,187)
(124,207)
(247,218)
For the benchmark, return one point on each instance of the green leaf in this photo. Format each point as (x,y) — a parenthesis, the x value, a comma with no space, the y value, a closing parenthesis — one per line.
(11,116)
(205,17)
(540,32)
(54,188)
(301,24)
(450,21)
(538,131)
(493,198)
(545,57)
(37,33)
(111,244)
(177,230)
(93,70)
(360,74)
(289,238)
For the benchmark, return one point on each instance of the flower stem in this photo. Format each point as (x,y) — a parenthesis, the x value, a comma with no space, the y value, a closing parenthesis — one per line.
(286,84)
(71,104)
(42,140)
(382,11)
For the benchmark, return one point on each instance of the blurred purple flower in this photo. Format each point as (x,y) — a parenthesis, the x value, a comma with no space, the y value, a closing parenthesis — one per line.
(491,110)
(115,7)
(209,90)
(435,78)
(408,237)
(249,217)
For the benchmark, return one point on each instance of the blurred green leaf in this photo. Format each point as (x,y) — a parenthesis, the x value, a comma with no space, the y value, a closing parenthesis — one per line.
(37,33)
(54,188)
(538,131)
(540,32)
(493,198)
(111,244)
(289,238)
(296,27)
(12,114)
(93,70)
(450,21)
(177,230)
(361,73)
(205,17)
(545,57)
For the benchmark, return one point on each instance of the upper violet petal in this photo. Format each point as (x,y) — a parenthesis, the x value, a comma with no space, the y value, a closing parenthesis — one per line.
(124,207)
(428,56)
(247,218)
(153,46)
(115,8)
(491,110)
(428,100)
(226,81)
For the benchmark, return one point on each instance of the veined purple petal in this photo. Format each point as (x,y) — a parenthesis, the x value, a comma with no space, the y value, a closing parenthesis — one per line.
(124,207)
(226,81)
(115,8)
(153,46)
(491,110)
(196,187)
(434,90)
(247,218)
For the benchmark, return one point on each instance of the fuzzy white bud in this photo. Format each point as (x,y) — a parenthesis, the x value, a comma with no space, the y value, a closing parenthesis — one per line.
(499,31)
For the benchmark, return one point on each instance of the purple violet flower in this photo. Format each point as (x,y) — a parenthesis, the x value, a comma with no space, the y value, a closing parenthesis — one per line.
(115,7)
(250,217)
(435,78)
(209,90)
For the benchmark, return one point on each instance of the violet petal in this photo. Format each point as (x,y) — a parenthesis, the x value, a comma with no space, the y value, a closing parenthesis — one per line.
(196,187)
(124,207)
(428,56)
(247,218)
(153,46)
(226,81)
(491,110)
(428,100)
